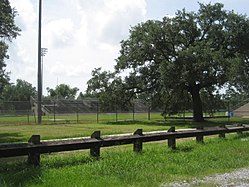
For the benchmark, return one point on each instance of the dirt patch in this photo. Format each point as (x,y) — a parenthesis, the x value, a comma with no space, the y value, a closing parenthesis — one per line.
(239,178)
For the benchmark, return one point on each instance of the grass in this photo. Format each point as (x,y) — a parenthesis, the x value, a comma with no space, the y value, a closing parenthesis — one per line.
(90,117)
(102,117)
(119,166)
(22,132)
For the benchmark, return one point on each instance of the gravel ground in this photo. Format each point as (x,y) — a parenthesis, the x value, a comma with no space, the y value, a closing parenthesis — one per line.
(239,178)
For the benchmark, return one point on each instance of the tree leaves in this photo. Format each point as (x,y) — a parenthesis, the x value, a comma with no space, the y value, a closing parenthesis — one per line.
(8,31)
(190,52)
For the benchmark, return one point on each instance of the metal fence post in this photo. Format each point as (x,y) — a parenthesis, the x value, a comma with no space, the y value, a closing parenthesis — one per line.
(149,113)
(77,111)
(133,111)
(97,112)
(116,108)
(54,111)
(28,116)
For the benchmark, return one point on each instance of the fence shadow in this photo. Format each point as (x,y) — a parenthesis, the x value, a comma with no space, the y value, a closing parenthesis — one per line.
(132,122)
(10,137)
(181,123)
(18,174)
(183,149)
(14,172)
(65,162)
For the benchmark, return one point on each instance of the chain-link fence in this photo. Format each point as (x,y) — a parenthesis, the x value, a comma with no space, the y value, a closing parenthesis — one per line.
(90,110)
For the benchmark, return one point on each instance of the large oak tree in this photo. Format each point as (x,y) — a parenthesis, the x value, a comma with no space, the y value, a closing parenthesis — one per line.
(190,51)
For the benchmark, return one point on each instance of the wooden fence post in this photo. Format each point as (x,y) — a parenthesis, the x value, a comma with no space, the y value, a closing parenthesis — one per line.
(222,135)
(172,141)
(138,144)
(199,138)
(34,157)
(240,132)
(95,151)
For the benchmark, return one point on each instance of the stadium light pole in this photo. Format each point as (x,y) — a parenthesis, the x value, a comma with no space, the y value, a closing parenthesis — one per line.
(39,80)
(43,53)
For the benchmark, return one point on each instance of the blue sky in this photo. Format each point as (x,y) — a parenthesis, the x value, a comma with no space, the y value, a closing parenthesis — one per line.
(84,34)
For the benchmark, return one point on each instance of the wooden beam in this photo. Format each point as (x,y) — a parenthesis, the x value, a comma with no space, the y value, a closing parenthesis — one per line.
(95,142)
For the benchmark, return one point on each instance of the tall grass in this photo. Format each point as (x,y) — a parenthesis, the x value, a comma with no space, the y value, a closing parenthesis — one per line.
(121,167)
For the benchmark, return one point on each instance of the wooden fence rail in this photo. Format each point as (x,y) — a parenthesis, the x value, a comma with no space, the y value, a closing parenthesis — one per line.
(35,146)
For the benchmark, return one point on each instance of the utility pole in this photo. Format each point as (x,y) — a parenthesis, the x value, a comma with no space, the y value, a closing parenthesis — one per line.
(39,80)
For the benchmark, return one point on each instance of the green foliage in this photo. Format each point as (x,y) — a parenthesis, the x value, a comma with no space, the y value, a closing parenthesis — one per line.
(62,91)
(235,98)
(17,97)
(191,52)
(212,102)
(8,31)
(4,78)
(22,91)
(109,89)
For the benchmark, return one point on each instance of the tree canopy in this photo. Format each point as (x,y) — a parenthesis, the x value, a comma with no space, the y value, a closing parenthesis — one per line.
(109,89)
(189,52)
(63,91)
(21,91)
(8,31)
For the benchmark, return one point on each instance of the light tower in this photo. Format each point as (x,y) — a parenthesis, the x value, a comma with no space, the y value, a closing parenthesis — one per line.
(39,80)
(43,53)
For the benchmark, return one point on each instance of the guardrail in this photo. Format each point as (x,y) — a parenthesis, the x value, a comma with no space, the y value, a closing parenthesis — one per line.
(35,146)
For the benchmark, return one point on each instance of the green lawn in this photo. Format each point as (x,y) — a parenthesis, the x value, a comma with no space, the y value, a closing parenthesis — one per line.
(91,117)
(119,166)
(83,118)
(22,132)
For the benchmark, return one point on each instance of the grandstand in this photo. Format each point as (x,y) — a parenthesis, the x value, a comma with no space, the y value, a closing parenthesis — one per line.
(242,109)
(62,106)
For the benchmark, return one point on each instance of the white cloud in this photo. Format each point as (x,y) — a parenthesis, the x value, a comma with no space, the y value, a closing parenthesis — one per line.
(58,33)
(75,48)
(80,36)
(109,21)
(22,50)
(26,15)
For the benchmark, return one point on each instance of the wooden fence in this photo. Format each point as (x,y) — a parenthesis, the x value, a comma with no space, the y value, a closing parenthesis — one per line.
(35,146)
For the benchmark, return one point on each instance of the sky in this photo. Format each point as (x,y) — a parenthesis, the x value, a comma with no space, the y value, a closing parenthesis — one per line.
(81,35)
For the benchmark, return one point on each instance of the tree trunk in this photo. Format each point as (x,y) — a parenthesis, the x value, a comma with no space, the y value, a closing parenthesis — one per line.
(197,105)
